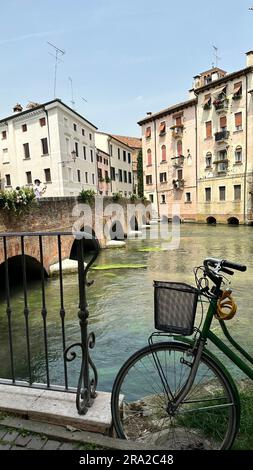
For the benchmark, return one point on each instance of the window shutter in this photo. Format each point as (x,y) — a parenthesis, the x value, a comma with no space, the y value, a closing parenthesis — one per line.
(162,127)
(223,121)
(179,121)
(163,153)
(148,132)
(238,119)
(209,129)
(179,148)
(149,157)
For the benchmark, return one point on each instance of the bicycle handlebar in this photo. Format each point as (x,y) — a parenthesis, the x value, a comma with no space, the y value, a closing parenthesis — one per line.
(220,264)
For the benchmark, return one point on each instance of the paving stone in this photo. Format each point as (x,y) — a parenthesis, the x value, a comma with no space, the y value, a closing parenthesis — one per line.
(51,445)
(67,446)
(22,441)
(35,443)
(3,431)
(10,436)
(17,448)
(5,446)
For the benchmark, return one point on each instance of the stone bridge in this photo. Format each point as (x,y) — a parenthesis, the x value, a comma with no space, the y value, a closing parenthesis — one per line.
(102,218)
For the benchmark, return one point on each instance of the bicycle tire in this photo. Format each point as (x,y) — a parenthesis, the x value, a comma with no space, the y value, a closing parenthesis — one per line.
(207,419)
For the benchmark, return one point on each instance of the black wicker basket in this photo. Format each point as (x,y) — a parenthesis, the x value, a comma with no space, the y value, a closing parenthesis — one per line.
(175,307)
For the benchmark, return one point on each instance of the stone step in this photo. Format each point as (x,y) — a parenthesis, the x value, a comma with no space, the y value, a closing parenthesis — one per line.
(56,407)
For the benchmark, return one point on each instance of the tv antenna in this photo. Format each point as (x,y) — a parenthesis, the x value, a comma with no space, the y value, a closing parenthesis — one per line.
(215,54)
(84,99)
(72,95)
(57,52)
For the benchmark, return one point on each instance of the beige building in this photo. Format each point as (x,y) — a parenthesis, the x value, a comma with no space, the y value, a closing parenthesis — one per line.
(121,175)
(136,146)
(50,142)
(169,159)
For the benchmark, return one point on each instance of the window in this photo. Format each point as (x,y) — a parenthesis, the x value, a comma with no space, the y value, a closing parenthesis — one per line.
(125,176)
(66,123)
(8,180)
(44,145)
(84,152)
(93,178)
(43,121)
(29,177)
(207,101)
(208,194)
(179,121)
(67,145)
(164,153)
(86,177)
(74,126)
(179,148)
(70,174)
(83,132)
(222,193)
(237,192)
(188,197)
(129,177)
(208,160)
(5,156)
(163,177)
(76,149)
(106,176)
(26,150)
(162,128)
(149,157)
(223,123)
(238,154)
(91,156)
(79,176)
(4,135)
(238,121)
(163,201)
(124,156)
(110,150)
(148,132)
(100,175)
(179,175)
(24,127)
(118,154)
(120,176)
(112,173)
(237,90)
(90,136)
(129,158)
(208,129)
(148,179)
(222,167)
(151,198)
(47,173)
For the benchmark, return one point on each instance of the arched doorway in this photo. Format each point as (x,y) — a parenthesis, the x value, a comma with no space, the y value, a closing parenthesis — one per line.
(211,220)
(233,221)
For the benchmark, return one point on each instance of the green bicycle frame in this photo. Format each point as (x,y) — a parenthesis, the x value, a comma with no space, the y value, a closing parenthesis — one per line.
(206,333)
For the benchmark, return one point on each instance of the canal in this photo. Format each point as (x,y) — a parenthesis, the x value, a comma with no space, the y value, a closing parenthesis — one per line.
(121,302)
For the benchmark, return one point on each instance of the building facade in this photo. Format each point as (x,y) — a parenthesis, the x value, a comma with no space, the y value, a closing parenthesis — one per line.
(121,175)
(136,146)
(200,152)
(103,173)
(49,142)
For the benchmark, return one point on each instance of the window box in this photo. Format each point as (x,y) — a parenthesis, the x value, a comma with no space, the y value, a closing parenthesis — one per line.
(221,136)
(221,105)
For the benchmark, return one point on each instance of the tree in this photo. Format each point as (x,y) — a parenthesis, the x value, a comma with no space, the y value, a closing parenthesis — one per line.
(140,174)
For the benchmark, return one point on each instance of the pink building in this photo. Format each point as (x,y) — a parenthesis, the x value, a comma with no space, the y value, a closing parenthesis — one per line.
(103,173)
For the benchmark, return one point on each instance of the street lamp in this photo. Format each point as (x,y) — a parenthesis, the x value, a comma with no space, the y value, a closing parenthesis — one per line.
(73,155)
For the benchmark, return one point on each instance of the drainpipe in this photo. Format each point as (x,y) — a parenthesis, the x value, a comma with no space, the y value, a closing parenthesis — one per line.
(196,154)
(156,185)
(109,140)
(246,157)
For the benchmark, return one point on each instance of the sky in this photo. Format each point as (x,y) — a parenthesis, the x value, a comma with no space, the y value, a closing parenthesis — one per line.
(125,57)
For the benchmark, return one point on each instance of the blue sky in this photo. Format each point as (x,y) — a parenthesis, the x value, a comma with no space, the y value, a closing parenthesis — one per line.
(126,57)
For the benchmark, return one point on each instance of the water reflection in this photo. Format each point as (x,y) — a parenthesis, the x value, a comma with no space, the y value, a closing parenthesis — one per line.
(121,303)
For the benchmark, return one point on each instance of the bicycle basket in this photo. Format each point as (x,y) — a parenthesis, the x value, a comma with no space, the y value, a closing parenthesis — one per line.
(175,307)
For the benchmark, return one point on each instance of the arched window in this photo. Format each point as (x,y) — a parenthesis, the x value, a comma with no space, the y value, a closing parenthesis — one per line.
(238,154)
(149,157)
(208,160)
(179,148)
(163,153)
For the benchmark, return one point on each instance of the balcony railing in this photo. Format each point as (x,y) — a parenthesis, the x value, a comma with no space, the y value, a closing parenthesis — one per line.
(221,136)
(177,131)
(178,161)
(178,184)
(221,105)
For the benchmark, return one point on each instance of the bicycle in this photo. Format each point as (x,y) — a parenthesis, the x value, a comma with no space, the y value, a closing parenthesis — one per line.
(176,394)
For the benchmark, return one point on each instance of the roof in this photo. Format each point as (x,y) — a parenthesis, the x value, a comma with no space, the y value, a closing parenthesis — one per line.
(171,109)
(227,78)
(42,106)
(133,142)
(213,69)
(113,137)
(103,151)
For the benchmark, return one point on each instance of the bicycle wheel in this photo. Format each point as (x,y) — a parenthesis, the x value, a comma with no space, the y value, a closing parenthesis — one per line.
(207,418)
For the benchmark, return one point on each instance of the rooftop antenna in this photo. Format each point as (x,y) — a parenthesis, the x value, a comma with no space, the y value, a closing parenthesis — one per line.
(57,52)
(215,54)
(72,95)
(84,99)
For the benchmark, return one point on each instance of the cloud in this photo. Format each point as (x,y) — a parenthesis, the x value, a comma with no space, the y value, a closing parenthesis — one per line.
(29,36)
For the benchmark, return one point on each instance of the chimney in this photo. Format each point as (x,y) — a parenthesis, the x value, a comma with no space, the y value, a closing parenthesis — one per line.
(17,108)
(191,94)
(249,58)
(149,113)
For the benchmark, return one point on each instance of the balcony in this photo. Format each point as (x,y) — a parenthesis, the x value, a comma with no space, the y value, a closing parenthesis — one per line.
(177,132)
(221,105)
(178,184)
(178,161)
(221,136)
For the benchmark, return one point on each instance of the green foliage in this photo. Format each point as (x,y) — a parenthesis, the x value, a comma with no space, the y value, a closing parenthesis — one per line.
(87,195)
(116,196)
(17,201)
(107,179)
(140,174)
(244,439)
(133,198)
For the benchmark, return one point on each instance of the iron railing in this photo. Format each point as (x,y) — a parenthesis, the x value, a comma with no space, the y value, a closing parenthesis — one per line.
(17,243)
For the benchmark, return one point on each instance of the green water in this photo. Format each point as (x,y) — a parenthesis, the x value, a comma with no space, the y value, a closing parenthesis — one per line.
(121,303)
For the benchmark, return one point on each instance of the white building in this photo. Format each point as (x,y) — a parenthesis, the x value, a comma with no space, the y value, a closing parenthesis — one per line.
(120,162)
(50,142)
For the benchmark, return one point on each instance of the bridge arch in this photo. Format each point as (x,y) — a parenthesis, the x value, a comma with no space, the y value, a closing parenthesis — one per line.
(233,221)
(15,269)
(211,220)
